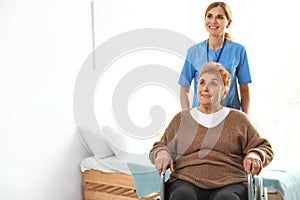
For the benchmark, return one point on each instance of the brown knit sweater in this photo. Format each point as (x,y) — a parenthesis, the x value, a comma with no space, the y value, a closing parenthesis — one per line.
(211,157)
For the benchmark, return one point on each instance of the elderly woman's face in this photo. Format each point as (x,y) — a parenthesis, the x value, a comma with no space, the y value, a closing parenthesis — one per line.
(210,89)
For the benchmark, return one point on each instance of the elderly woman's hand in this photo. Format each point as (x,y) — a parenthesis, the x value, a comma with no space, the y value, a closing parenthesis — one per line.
(253,163)
(162,161)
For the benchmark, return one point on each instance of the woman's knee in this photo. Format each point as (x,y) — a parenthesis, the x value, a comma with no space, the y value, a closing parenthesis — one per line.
(231,192)
(181,193)
(182,190)
(226,195)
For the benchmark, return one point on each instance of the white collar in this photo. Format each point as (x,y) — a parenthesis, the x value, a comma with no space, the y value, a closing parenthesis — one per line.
(209,120)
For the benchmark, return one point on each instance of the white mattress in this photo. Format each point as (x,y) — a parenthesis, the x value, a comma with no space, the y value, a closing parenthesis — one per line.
(109,164)
(113,164)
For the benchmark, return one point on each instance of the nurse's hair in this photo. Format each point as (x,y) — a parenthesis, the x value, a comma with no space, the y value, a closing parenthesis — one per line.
(218,69)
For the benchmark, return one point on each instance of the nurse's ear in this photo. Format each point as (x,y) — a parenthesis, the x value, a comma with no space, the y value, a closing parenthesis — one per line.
(229,22)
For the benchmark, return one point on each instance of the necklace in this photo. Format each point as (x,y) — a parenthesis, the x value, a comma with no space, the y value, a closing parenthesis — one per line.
(219,56)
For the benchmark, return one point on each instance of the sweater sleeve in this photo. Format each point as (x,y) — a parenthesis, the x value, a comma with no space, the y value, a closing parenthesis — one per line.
(168,136)
(258,144)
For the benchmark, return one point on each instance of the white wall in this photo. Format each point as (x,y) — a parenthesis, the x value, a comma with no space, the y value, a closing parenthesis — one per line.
(42,47)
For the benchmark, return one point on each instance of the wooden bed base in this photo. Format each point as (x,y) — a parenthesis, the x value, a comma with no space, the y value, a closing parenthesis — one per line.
(274,196)
(98,185)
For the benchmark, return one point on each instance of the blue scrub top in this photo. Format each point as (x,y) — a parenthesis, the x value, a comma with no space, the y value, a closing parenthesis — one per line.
(233,58)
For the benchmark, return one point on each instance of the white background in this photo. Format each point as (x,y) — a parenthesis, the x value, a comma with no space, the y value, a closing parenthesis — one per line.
(44,43)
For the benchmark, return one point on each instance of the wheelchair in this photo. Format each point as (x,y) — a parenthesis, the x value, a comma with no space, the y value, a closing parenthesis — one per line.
(256,191)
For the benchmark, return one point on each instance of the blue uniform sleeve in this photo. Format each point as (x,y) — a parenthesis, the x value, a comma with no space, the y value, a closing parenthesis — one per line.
(188,71)
(243,71)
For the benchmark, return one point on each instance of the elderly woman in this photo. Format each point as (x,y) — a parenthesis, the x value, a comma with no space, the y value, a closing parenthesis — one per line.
(214,147)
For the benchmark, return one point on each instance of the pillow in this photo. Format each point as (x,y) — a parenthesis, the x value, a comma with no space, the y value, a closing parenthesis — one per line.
(94,143)
(127,148)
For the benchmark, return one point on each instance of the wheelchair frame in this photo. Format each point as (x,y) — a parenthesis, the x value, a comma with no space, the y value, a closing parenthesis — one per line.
(256,191)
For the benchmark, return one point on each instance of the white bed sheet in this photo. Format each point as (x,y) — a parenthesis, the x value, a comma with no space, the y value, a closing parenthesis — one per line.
(109,164)
(113,164)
